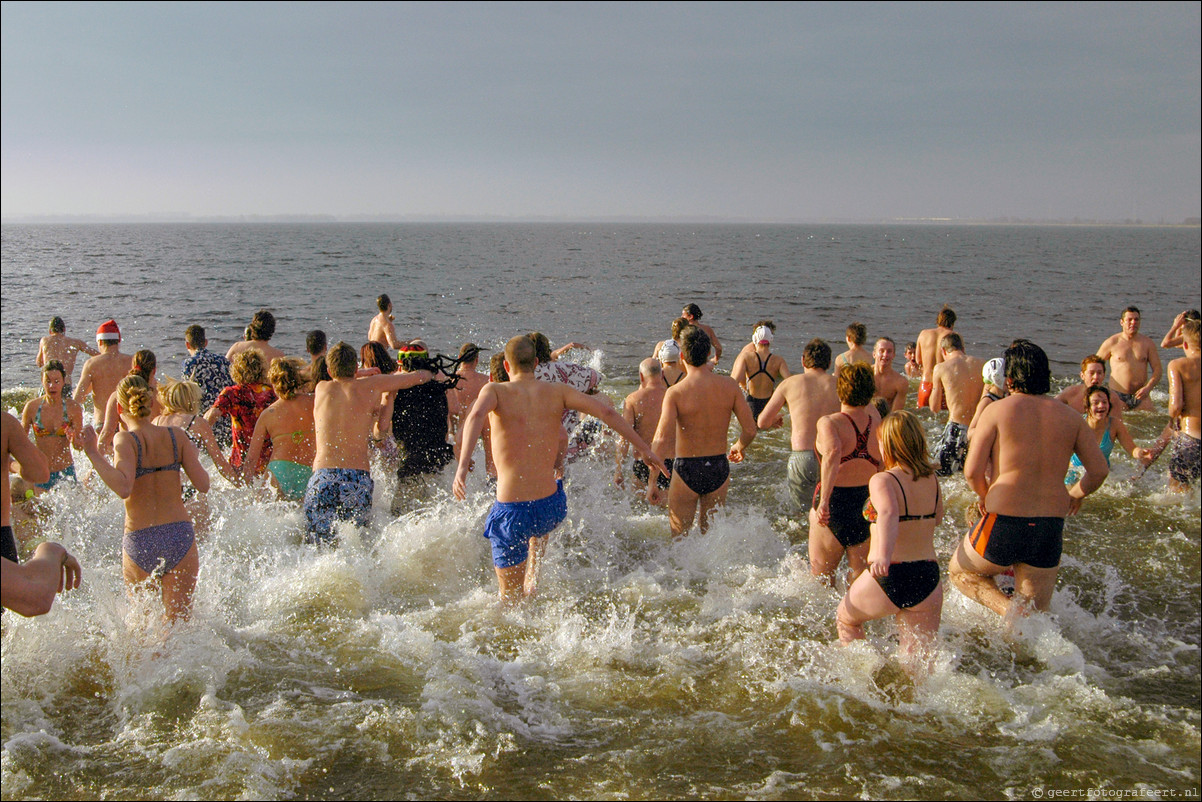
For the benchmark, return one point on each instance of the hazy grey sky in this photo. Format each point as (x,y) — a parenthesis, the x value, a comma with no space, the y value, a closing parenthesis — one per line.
(807,110)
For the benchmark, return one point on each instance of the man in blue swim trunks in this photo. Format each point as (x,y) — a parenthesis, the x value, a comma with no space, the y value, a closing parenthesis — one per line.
(696,414)
(525,417)
(1028,438)
(343,416)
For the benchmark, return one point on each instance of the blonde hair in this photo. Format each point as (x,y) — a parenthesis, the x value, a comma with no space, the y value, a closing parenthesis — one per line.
(247,367)
(180,396)
(904,444)
(288,376)
(135,396)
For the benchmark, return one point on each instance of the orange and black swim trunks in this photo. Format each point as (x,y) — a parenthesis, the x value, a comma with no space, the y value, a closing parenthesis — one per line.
(1009,539)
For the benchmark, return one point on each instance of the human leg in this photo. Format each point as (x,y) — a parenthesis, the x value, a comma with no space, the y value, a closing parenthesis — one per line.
(973,576)
(864,601)
(825,550)
(682,506)
(709,502)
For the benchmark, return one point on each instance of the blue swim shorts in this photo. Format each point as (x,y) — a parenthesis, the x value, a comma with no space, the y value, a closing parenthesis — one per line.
(511,524)
(336,494)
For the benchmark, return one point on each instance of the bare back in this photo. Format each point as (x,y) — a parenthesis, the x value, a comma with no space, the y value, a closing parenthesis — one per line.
(101,375)
(270,352)
(1028,439)
(526,429)
(156,497)
(1184,393)
(958,381)
(290,426)
(929,354)
(702,404)
(810,397)
(343,417)
(64,349)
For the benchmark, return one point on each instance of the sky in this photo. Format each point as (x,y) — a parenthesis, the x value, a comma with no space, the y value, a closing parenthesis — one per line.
(773,111)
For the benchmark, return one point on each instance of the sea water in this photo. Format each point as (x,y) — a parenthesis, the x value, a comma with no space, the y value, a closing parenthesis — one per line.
(645,668)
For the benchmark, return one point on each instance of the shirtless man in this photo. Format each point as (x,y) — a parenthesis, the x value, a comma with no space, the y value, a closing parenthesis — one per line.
(471,381)
(929,354)
(1173,338)
(28,589)
(525,414)
(692,313)
(890,385)
(757,369)
(1027,438)
(258,333)
(669,360)
(958,386)
(1132,356)
(810,396)
(1093,374)
(696,415)
(344,412)
(58,346)
(381,330)
(641,410)
(102,373)
(1184,398)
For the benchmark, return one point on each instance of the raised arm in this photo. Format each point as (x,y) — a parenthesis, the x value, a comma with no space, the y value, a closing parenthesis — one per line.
(1172,339)
(34,465)
(558,352)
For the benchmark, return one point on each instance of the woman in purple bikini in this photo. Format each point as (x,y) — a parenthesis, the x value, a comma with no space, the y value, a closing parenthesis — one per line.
(159,543)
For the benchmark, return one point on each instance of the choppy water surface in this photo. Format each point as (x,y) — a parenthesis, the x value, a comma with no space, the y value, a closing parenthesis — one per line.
(707,668)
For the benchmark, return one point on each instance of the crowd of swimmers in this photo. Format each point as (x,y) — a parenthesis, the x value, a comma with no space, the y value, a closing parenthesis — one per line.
(860,470)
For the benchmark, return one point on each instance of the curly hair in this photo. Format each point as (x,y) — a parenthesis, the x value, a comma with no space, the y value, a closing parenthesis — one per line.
(288,377)
(180,396)
(135,396)
(855,384)
(248,367)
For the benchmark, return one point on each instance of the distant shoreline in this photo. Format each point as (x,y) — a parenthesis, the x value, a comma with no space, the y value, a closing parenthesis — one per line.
(1190,222)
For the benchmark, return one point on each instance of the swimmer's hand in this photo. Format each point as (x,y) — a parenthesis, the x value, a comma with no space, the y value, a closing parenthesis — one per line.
(654,494)
(87,439)
(1074,505)
(878,567)
(823,513)
(459,488)
(619,481)
(72,573)
(736,453)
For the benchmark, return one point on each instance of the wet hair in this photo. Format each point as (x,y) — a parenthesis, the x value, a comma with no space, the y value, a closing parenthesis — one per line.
(195,337)
(522,352)
(318,372)
(1130,310)
(383,302)
(694,311)
(144,364)
(952,342)
(469,353)
(135,396)
(542,346)
(54,364)
(1190,331)
(288,377)
(375,355)
(817,355)
(496,368)
(1090,392)
(1027,368)
(180,396)
(855,384)
(1092,359)
(262,326)
(57,326)
(341,361)
(315,342)
(857,333)
(946,318)
(695,346)
(679,325)
(904,444)
(247,367)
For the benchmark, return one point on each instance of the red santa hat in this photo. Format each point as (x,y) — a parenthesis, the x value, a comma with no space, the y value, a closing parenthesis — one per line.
(108,331)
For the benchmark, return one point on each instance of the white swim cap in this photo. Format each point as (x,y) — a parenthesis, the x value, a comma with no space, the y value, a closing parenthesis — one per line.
(994,372)
(761,336)
(669,352)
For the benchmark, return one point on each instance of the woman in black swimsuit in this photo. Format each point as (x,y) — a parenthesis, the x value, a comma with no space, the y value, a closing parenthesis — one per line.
(902,577)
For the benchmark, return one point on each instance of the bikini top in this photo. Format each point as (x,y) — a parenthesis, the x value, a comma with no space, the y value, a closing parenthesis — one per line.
(861,449)
(139,471)
(195,438)
(908,516)
(40,431)
(297,436)
(763,367)
(994,397)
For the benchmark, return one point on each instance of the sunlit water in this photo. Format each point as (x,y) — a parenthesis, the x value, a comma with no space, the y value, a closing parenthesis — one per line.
(645,668)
